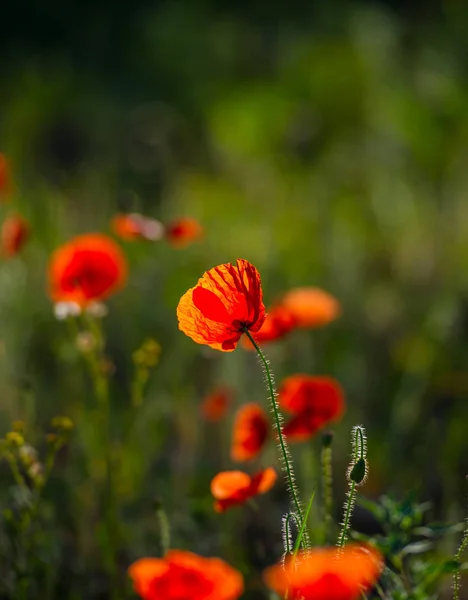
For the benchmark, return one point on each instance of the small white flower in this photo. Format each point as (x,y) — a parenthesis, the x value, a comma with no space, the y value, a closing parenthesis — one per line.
(63,310)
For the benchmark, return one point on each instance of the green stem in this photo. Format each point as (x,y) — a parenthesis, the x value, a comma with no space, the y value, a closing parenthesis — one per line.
(458,555)
(94,359)
(287,462)
(359,453)
(327,481)
(349,508)
(164,529)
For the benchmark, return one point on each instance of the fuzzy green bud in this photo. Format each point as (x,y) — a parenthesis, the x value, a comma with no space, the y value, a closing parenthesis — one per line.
(359,471)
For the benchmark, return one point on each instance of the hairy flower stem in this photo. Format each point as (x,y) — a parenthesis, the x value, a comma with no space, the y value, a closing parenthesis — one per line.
(287,461)
(327,481)
(458,555)
(164,528)
(357,473)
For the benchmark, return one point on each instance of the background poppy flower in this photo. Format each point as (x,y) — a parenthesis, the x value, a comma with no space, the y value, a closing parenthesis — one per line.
(134,226)
(14,234)
(315,401)
(279,321)
(230,488)
(226,300)
(215,405)
(250,432)
(5,182)
(87,268)
(310,307)
(183,231)
(183,575)
(327,574)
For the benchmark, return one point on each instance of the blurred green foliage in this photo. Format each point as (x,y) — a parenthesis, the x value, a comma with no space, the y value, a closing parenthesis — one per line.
(327,147)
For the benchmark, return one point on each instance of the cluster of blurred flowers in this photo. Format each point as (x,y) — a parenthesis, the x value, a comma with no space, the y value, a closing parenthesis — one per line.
(319,574)
(15,230)
(28,469)
(224,308)
(227,303)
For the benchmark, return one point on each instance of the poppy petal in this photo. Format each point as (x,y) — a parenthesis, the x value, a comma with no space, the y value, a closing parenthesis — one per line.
(226,301)
(210,305)
(250,432)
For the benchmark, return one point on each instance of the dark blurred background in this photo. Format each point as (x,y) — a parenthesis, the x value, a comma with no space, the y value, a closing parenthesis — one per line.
(327,143)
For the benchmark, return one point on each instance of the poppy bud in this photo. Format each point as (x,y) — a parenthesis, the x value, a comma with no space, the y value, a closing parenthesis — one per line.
(359,471)
(327,439)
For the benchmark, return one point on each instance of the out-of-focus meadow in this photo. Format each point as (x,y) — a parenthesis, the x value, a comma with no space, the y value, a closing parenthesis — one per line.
(328,146)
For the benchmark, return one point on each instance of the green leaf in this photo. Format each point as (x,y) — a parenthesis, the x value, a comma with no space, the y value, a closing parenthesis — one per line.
(417,547)
(303,526)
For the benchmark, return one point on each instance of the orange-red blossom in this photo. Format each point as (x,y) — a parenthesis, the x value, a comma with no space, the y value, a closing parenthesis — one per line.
(5,179)
(314,401)
(216,404)
(326,574)
(183,575)
(133,226)
(226,301)
(14,234)
(249,433)
(86,269)
(302,307)
(183,231)
(230,488)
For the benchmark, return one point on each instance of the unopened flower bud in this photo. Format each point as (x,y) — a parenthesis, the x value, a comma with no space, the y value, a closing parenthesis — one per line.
(359,471)
(327,439)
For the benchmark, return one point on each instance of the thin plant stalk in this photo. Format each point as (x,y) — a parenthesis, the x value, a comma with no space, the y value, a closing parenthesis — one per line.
(458,555)
(327,484)
(286,457)
(357,474)
(94,359)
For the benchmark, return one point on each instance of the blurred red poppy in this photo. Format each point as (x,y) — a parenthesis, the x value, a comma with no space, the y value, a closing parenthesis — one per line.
(182,232)
(250,432)
(5,181)
(183,575)
(314,401)
(134,226)
(310,307)
(14,234)
(279,321)
(215,405)
(231,488)
(88,268)
(226,301)
(327,574)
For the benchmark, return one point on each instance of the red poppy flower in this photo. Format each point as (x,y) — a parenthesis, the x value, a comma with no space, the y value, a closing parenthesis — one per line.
(327,574)
(14,234)
(133,226)
(278,322)
(183,575)
(226,301)
(183,231)
(250,432)
(310,307)
(5,182)
(215,405)
(89,267)
(315,401)
(230,488)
